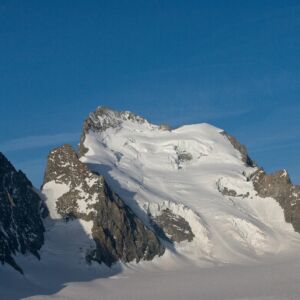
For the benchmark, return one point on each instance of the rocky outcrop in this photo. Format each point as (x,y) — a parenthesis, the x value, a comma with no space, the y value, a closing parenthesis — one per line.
(172,227)
(241,148)
(225,191)
(278,185)
(21,212)
(104,118)
(118,233)
(182,157)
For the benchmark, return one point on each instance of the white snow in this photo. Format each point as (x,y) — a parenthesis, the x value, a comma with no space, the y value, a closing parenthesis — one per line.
(52,192)
(261,282)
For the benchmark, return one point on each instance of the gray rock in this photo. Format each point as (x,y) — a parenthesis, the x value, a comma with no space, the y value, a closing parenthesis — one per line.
(172,227)
(118,233)
(21,212)
(228,192)
(278,185)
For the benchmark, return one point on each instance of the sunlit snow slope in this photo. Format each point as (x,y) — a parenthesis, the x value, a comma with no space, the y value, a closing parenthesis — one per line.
(185,170)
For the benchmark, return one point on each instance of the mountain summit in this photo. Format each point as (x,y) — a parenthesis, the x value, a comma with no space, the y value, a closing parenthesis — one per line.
(104,118)
(195,179)
(137,191)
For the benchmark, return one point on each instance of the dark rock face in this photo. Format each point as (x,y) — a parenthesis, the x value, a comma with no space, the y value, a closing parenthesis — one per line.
(117,231)
(21,211)
(102,119)
(241,148)
(172,227)
(279,186)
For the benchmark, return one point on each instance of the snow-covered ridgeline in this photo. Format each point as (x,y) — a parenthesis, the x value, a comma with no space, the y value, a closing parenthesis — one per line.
(185,170)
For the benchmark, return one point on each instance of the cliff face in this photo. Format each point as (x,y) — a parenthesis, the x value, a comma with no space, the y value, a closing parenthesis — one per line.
(21,211)
(118,233)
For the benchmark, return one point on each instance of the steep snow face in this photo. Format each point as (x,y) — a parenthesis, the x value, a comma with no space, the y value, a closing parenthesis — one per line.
(195,172)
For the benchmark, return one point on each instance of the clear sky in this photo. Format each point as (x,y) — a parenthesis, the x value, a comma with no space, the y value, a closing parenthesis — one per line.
(234,64)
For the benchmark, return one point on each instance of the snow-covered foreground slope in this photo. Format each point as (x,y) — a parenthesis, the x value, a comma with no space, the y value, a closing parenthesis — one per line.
(263,282)
(62,274)
(62,261)
(270,279)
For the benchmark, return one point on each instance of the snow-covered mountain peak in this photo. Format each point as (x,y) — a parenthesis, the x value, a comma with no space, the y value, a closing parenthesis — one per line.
(188,142)
(195,176)
(104,118)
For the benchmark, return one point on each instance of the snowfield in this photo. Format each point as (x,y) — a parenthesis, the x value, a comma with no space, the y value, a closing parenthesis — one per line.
(242,248)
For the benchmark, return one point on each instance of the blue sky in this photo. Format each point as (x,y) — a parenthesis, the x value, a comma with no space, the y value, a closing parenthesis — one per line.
(235,64)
